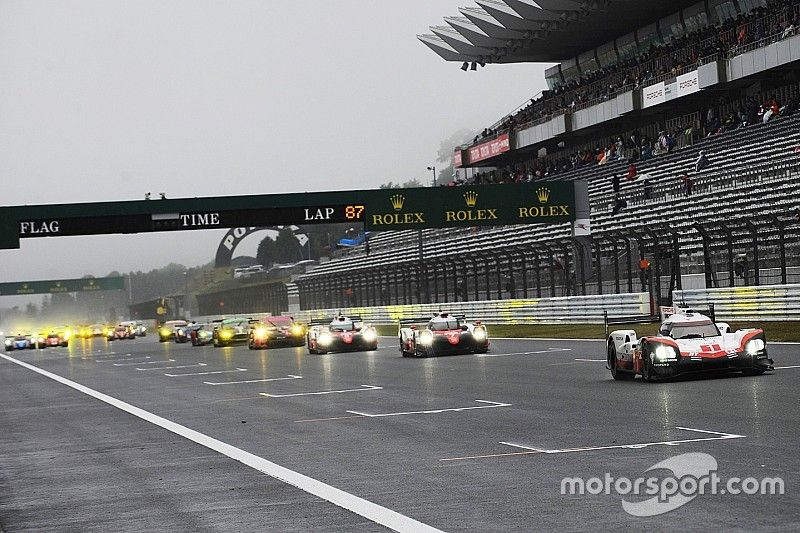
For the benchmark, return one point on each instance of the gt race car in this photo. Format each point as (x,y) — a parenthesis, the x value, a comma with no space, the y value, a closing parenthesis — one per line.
(341,334)
(442,334)
(232,331)
(19,342)
(687,342)
(276,331)
(167,330)
(201,334)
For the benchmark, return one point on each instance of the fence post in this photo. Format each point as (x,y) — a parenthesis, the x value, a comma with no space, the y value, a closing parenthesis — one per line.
(706,256)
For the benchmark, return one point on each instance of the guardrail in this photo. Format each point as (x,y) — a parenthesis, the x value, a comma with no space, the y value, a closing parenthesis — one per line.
(764,303)
(560,310)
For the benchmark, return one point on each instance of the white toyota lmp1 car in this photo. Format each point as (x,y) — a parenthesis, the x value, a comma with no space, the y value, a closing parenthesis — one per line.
(687,342)
(442,334)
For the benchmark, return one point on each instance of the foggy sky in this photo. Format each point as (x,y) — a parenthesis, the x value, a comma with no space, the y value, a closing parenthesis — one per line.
(104,100)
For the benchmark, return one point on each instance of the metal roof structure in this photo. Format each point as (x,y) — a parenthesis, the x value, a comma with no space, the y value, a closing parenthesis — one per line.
(516,31)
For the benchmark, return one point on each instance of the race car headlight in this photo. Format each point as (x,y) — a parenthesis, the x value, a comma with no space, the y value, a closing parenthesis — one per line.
(226,335)
(664,353)
(41,339)
(325,339)
(479,334)
(164,332)
(261,334)
(9,342)
(297,329)
(426,338)
(370,335)
(180,332)
(754,346)
(67,335)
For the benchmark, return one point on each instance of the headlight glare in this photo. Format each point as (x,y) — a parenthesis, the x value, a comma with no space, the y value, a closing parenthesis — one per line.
(325,339)
(664,353)
(426,338)
(479,334)
(754,346)
(370,335)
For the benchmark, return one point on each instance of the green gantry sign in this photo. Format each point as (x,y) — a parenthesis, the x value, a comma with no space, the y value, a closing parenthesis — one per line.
(379,209)
(55,286)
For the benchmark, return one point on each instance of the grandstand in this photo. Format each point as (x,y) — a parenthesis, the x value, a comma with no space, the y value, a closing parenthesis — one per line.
(741,111)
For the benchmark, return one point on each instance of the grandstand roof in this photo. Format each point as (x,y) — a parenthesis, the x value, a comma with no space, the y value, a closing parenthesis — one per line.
(516,31)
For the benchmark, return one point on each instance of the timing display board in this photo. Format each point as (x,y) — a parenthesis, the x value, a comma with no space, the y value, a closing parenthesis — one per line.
(55,286)
(378,209)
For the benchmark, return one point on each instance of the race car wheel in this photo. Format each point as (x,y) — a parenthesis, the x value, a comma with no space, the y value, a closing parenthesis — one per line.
(616,373)
(647,366)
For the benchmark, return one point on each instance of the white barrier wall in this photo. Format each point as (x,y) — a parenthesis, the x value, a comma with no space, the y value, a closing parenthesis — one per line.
(570,309)
(768,302)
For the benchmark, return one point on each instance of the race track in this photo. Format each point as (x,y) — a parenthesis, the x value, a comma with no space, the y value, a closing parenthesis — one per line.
(457,443)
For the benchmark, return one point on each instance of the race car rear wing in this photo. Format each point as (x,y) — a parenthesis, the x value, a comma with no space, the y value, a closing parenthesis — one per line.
(635,319)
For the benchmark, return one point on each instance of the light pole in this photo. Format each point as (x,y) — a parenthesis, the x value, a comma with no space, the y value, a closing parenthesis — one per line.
(433,170)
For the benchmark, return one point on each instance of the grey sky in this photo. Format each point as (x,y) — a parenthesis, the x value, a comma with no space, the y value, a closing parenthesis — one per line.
(104,100)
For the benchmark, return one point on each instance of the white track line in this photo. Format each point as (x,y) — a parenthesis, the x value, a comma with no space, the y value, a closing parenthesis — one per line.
(549,350)
(290,376)
(592,360)
(719,436)
(785,367)
(371,511)
(206,373)
(365,388)
(113,359)
(435,411)
(172,367)
(161,362)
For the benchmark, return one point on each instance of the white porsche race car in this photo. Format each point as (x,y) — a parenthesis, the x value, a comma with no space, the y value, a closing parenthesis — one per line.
(687,342)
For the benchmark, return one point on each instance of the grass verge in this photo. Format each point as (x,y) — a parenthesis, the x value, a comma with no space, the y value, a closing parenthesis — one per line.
(775,331)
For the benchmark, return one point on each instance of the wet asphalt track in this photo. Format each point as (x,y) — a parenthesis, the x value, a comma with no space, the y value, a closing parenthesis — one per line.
(460,443)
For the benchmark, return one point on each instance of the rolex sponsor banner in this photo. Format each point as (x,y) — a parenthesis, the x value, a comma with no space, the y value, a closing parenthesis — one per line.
(62,285)
(654,95)
(688,83)
(467,206)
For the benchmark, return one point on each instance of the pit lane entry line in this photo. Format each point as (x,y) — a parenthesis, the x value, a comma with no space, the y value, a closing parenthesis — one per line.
(529,450)
(290,376)
(369,510)
(435,411)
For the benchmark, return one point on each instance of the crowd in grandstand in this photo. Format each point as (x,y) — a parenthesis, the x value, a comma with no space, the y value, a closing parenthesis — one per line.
(778,20)
(634,147)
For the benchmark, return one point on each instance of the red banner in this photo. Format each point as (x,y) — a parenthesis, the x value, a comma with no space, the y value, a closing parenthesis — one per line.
(490,149)
(457,159)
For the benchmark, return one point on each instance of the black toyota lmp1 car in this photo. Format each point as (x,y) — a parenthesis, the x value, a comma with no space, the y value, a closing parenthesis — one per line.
(442,334)
(341,334)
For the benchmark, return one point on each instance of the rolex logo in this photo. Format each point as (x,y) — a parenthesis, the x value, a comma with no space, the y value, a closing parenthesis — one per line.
(543,194)
(471,198)
(397,201)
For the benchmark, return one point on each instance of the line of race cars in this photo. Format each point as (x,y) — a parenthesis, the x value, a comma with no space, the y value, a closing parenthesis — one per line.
(687,342)
(62,336)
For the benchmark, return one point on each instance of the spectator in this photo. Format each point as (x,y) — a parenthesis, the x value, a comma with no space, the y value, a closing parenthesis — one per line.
(648,189)
(701,163)
(797,215)
(619,205)
(632,172)
(615,183)
(688,184)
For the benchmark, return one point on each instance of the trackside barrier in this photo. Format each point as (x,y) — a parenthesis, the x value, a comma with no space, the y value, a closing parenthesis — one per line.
(763,303)
(562,310)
